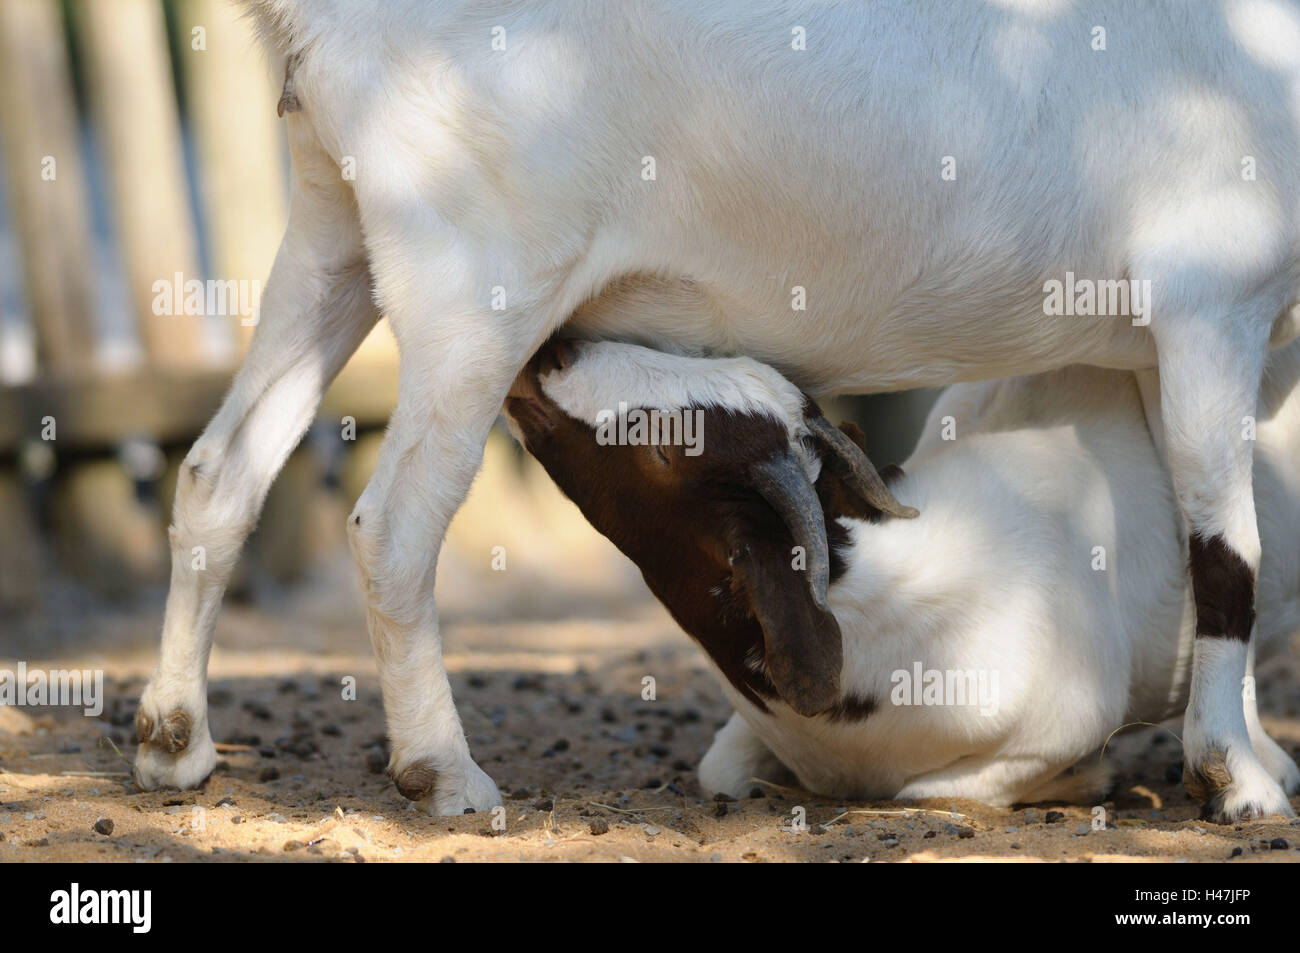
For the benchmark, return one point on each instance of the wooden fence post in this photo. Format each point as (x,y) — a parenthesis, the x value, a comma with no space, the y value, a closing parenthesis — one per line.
(231,97)
(130,78)
(47,184)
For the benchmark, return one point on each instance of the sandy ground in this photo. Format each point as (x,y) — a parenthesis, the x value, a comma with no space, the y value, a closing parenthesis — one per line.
(547,672)
(590,771)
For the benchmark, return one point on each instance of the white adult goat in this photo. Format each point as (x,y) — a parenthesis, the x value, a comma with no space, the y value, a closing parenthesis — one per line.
(987,649)
(911,173)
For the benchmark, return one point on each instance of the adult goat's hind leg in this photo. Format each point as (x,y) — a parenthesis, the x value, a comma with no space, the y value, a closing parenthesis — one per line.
(316,310)
(1210,370)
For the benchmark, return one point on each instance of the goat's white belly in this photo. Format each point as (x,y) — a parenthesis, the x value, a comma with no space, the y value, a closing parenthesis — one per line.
(838,353)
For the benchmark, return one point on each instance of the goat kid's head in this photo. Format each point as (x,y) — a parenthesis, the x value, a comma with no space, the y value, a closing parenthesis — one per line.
(712,476)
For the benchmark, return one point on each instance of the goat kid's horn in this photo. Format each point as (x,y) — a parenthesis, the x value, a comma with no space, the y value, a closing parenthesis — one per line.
(782,482)
(857,470)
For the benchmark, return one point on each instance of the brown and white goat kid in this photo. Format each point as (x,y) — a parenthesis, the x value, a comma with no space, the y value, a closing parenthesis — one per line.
(985,649)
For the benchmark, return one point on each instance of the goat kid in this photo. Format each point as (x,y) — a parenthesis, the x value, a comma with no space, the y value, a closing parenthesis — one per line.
(911,174)
(986,649)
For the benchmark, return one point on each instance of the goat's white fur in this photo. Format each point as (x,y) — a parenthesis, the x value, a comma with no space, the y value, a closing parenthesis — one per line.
(1000,574)
(775,167)
(640,377)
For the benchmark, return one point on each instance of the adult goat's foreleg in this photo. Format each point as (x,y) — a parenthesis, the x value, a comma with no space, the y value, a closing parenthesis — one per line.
(316,310)
(458,361)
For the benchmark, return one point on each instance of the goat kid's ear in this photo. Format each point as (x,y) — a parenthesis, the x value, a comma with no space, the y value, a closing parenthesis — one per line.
(845,458)
(802,643)
(890,471)
(838,498)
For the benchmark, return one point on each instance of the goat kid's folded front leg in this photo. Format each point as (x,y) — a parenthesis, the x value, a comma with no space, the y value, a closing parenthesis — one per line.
(738,760)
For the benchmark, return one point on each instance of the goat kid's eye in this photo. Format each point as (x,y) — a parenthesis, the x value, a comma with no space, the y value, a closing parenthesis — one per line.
(661,454)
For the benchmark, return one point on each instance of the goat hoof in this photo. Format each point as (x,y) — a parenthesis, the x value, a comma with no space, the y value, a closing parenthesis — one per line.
(447,791)
(143,726)
(1244,792)
(175,734)
(416,782)
(1209,777)
(176,750)
(155,767)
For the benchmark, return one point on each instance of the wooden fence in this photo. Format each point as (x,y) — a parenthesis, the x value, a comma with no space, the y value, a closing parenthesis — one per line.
(89,443)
